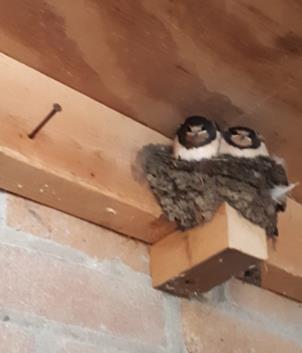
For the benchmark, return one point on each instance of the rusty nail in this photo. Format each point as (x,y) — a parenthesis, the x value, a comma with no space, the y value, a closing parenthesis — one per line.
(56,108)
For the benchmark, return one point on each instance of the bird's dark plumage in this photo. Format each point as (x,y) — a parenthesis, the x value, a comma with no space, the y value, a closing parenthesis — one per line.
(240,141)
(196,139)
(236,130)
(187,127)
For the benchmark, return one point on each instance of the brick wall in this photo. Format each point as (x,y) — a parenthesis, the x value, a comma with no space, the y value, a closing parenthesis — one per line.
(68,286)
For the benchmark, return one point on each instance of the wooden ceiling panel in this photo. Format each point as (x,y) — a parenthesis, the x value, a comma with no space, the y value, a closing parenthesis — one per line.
(157,61)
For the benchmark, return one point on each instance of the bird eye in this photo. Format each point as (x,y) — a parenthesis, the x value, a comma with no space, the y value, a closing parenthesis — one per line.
(243,133)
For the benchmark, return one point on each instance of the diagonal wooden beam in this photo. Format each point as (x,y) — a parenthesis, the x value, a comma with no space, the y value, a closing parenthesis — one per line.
(82,162)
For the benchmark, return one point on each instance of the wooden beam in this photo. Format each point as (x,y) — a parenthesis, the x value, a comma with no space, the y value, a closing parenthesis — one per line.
(83,161)
(167,65)
(282,271)
(192,262)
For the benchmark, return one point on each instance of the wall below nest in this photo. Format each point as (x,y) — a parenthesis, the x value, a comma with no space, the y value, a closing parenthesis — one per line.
(72,287)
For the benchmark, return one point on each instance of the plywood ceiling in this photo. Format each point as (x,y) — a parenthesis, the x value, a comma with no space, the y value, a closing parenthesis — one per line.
(237,61)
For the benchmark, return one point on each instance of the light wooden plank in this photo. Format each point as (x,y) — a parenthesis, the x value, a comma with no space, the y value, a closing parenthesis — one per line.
(192,262)
(83,162)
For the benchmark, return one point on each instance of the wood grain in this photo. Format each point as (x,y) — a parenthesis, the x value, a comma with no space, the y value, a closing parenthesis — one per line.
(83,162)
(238,62)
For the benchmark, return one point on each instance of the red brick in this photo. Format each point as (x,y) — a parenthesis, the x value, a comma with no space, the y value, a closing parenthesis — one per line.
(256,300)
(15,340)
(72,294)
(206,329)
(93,240)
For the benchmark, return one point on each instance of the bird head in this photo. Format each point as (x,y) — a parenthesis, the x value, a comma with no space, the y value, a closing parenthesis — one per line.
(243,137)
(196,131)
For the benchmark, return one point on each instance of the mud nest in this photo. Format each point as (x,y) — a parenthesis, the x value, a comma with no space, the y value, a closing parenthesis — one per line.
(189,193)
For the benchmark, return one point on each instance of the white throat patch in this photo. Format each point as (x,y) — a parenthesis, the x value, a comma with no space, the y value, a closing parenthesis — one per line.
(197,153)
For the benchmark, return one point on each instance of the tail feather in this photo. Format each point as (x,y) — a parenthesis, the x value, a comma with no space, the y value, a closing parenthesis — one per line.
(279,192)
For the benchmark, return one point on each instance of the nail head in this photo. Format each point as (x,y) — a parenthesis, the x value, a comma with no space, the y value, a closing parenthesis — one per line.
(57,107)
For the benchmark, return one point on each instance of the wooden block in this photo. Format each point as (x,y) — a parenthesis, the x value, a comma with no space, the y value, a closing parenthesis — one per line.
(83,162)
(282,271)
(192,262)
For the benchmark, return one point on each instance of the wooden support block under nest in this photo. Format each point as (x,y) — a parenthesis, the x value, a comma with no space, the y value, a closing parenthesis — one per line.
(282,271)
(189,263)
